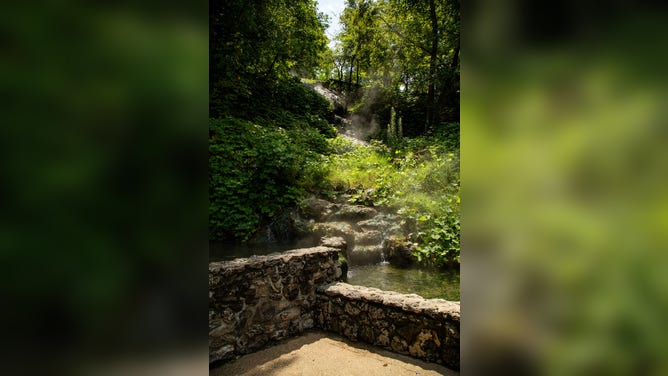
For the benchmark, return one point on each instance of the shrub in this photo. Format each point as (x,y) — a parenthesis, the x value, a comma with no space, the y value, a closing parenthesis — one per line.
(419,179)
(255,172)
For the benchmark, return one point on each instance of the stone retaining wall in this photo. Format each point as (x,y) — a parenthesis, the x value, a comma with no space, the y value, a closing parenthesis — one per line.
(408,324)
(256,301)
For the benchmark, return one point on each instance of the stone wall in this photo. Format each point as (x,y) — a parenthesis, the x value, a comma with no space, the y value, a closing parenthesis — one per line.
(256,301)
(408,324)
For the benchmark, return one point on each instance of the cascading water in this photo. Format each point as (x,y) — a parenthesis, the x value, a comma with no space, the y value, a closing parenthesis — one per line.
(367,231)
(383,261)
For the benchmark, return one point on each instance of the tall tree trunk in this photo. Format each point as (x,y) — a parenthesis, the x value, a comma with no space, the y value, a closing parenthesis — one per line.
(455,60)
(447,97)
(433,56)
(271,66)
(357,74)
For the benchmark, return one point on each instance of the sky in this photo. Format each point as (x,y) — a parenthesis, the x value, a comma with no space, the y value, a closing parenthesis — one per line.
(333,9)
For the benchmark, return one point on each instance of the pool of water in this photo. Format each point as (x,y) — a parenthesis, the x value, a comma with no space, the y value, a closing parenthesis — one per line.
(426,283)
(225,251)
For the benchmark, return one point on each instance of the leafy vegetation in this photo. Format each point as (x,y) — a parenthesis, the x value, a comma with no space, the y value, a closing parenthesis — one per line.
(256,171)
(419,178)
(252,43)
(407,49)
(271,136)
(267,130)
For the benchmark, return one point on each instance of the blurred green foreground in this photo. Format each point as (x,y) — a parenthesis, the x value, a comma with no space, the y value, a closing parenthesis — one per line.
(565,200)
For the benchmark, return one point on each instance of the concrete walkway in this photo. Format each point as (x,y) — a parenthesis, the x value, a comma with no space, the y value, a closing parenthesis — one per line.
(319,353)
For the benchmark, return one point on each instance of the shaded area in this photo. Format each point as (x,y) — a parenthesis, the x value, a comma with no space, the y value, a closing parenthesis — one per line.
(229,250)
(566,225)
(317,353)
(426,283)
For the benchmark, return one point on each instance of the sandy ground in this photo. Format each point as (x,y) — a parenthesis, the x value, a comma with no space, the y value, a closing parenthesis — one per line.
(318,353)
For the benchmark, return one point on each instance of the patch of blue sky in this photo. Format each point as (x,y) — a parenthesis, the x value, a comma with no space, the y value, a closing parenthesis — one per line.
(333,9)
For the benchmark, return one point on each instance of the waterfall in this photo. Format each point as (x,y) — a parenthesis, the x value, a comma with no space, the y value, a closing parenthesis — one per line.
(270,235)
(383,260)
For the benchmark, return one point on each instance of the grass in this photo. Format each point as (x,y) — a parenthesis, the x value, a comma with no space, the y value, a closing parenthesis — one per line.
(418,179)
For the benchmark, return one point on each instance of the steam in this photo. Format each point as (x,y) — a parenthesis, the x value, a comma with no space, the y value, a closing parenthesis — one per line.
(360,127)
(364,123)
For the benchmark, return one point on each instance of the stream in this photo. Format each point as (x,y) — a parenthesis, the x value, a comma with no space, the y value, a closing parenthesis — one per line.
(226,251)
(364,229)
(426,283)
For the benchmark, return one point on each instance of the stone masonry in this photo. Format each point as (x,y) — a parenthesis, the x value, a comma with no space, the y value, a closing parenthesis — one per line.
(257,301)
(427,329)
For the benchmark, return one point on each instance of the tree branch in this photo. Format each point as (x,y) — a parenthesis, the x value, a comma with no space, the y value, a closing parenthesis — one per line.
(415,44)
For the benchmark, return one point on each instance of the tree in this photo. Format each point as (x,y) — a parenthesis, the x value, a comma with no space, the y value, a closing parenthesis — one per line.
(410,47)
(360,30)
(256,41)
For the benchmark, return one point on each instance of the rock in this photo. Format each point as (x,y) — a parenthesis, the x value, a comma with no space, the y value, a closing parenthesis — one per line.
(399,251)
(340,244)
(380,222)
(342,229)
(353,213)
(368,237)
(286,226)
(343,261)
(343,198)
(364,255)
(315,208)
(334,242)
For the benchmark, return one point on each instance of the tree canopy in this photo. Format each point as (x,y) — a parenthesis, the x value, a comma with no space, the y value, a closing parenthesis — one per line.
(272,137)
(261,40)
(408,47)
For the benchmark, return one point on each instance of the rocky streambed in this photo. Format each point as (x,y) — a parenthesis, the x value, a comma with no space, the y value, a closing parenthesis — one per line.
(377,253)
(372,236)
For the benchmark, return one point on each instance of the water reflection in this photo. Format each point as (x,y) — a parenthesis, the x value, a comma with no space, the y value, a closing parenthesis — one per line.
(426,283)
(225,251)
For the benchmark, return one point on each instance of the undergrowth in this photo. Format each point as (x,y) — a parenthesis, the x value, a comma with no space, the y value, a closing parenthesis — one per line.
(256,172)
(418,178)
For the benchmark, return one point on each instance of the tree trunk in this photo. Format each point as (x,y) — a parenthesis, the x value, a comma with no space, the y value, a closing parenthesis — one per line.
(357,74)
(271,66)
(433,56)
(447,97)
(455,60)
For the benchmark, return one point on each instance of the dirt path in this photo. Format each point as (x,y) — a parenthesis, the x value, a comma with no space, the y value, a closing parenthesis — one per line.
(318,353)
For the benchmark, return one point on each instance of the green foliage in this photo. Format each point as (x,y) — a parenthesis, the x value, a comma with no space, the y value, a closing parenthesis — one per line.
(434,225)
(257,41)
(268,128)
(419,179)
(394,129)
(408,51)
(284,102)
(254,172)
